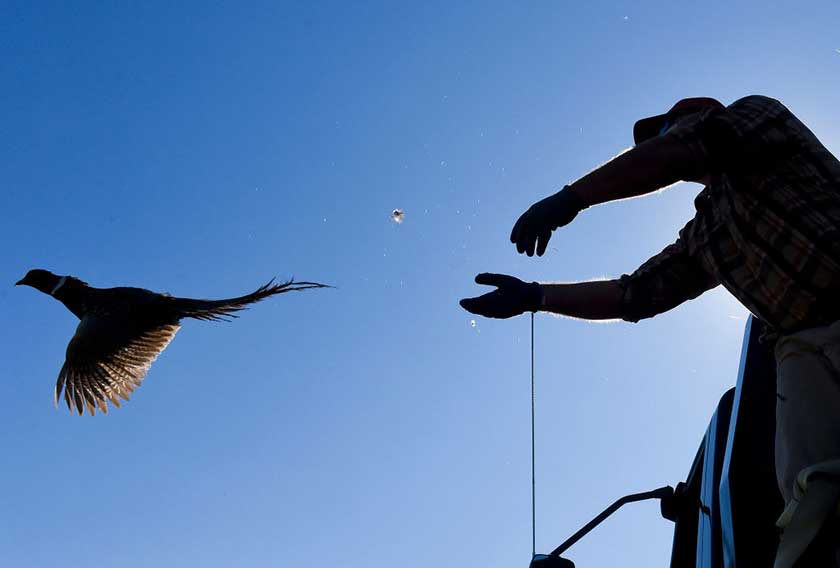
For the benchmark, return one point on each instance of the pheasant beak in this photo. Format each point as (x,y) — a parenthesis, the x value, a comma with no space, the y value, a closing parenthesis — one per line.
(19,282)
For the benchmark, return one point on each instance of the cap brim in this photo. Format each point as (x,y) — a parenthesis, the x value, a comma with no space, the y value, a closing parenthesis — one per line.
(647,128)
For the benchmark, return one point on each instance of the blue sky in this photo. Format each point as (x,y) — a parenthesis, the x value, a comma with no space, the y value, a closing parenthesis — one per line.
(202,148)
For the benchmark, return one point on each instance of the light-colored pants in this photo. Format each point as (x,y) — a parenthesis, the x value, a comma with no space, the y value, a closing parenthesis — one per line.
(808,403)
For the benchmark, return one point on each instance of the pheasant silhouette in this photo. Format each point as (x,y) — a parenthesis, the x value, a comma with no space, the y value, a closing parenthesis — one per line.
(123,330)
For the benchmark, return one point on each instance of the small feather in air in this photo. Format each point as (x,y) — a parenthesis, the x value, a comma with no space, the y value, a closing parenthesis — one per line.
(397,216)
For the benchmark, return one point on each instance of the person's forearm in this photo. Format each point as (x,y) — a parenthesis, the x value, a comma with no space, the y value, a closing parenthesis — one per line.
(645,168)
(597,300)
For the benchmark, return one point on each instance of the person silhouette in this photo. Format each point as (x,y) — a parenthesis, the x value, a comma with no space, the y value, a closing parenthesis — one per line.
(766,227)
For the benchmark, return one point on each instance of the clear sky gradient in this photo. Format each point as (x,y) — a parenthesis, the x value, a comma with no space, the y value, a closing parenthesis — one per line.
(203,148)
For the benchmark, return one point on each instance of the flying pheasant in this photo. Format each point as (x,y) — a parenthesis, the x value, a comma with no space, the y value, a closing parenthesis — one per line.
(123,330)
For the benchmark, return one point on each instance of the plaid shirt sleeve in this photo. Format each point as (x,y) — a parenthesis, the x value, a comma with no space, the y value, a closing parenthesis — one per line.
(663,282)
(745,136)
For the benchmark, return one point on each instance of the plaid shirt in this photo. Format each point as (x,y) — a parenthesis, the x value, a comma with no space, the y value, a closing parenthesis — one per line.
(767,226)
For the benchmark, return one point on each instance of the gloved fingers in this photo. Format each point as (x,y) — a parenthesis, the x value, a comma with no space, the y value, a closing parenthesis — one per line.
(524,232)
(521,244)
(542,243)
(470,304)
(488,305)
(522,237)
(530,242)
(521,225)
(499,280)
(517,228)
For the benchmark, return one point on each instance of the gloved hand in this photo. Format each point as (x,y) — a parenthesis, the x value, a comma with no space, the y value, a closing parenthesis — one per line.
(513,297)
(534,227)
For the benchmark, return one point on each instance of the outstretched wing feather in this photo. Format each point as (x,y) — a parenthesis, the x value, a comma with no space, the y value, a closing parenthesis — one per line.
(90,381)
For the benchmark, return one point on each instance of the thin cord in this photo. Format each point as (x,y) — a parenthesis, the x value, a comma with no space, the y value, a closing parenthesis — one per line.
(533,460)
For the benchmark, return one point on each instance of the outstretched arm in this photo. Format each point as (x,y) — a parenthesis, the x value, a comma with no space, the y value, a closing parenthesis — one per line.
(652,165)
(663,282)
(595,300)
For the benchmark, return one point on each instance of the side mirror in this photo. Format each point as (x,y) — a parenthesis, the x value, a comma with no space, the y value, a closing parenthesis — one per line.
(549,561)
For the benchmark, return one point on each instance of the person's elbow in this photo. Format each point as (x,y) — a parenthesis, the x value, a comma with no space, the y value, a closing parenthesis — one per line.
(680,162)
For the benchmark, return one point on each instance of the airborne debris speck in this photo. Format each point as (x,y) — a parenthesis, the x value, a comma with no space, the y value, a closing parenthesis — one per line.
(472,323)
(397,216)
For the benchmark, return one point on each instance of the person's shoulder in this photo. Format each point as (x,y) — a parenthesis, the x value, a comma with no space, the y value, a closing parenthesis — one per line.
(760,103)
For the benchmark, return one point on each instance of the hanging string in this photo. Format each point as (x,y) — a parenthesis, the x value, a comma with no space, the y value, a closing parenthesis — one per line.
(533,447)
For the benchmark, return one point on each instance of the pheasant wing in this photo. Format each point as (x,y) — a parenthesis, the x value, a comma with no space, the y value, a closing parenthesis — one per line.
(106,360)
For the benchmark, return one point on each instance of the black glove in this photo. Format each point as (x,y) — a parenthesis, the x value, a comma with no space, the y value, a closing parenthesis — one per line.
(538,222)
(513,297)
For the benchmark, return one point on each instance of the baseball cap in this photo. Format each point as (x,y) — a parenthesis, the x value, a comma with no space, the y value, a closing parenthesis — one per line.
(651,126)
